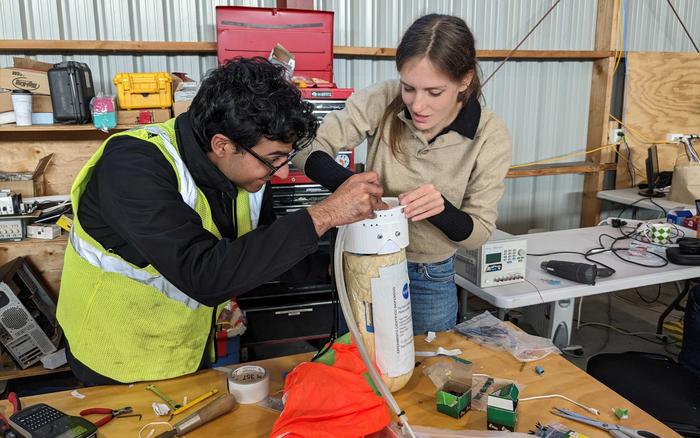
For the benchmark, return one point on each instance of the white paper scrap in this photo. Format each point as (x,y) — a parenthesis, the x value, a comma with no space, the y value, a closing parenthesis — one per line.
(160,409)
(430,337)
(440,352)
(76,394)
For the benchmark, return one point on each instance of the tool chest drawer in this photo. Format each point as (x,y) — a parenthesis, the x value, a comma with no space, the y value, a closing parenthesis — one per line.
(279,312)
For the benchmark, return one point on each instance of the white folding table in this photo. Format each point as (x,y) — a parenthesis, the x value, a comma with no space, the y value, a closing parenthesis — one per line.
(542,290)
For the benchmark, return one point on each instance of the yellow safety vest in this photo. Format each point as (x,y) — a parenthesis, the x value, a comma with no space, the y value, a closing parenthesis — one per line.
(129,323)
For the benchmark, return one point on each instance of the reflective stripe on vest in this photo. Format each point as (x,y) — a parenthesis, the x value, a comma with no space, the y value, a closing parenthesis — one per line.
(116,265)
(188,189)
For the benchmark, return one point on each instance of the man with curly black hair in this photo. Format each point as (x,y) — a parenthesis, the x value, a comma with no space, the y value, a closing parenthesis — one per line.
(172,220)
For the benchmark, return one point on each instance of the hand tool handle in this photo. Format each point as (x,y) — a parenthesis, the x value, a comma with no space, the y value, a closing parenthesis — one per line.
(91,411)
(213,410)
(629,432)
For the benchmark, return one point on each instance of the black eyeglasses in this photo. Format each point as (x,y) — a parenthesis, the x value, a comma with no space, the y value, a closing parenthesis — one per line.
(273,169)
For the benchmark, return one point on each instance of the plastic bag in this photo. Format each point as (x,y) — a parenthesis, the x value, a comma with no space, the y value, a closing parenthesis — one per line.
(556,430)
(103,110)
(456,371)
(491,332)
(483,385)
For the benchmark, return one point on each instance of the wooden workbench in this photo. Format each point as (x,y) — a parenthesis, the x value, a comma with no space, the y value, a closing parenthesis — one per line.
(417,398)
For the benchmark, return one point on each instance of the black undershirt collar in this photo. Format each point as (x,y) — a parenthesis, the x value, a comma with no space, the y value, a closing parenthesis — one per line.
(466,122)
(204,172)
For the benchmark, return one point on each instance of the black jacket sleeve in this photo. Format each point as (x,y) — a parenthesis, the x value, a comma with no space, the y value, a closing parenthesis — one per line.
(456,224)
(322,168)
(139,201)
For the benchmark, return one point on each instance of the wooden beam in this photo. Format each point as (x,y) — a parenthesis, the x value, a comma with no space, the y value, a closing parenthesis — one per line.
(599,107)
(209,48)
(558,169)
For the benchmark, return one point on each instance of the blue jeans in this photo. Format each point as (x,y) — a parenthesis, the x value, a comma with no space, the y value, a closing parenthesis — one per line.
(433,296)
(689,356)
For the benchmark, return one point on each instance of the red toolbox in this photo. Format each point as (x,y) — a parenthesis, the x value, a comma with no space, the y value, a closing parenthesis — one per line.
(248,32)
(307,34)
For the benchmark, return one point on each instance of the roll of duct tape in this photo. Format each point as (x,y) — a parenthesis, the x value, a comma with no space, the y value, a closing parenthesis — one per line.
(249,384)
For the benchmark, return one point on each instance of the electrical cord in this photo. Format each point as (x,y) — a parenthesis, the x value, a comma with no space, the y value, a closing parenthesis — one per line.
(625,207)
(624,332)
(580,405)
(551,8)
(658,295)
(536,288)
(335,301)
(683,25)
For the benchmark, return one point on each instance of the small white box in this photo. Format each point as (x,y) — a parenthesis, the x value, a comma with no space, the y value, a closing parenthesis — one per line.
(43,231)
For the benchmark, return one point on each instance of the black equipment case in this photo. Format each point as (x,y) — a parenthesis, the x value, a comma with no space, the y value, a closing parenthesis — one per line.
(72,89)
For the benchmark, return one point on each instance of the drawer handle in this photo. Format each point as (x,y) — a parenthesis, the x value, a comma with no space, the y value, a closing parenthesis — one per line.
(294,312)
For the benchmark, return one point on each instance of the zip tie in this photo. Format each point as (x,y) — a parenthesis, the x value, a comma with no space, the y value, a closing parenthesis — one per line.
(153,430)
(538,397)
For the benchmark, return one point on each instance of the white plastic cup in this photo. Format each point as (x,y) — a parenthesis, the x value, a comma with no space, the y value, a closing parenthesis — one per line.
(22,104)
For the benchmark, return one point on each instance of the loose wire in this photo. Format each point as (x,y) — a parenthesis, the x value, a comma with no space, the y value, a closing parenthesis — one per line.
(580,405)
(683,24)
(551,8)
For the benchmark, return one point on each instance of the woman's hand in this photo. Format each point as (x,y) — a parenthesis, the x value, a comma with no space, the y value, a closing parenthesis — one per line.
(422,203)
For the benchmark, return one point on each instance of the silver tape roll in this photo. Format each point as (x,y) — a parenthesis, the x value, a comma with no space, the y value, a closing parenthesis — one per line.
(249,384)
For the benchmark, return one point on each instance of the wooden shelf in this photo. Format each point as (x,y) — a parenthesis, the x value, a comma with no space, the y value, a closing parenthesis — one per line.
(63,128)
(559,169)
(62,240)
(209,48)
(36,370)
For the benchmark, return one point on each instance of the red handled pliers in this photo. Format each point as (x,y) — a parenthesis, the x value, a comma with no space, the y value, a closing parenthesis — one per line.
(111,413)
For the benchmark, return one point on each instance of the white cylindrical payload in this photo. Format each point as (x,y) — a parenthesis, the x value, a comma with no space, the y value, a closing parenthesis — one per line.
(376,279)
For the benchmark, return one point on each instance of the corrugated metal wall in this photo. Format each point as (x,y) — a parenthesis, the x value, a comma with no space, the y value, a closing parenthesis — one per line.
(545,104)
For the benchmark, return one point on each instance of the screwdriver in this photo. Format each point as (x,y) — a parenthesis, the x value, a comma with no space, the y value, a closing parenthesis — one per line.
(213,410)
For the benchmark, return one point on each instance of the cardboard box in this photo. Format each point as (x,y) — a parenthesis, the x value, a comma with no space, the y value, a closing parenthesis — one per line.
(20,79)
(143,117)
(31,64)
(502,409)
(180,107)
(6,101)
(28,184)
(41,104)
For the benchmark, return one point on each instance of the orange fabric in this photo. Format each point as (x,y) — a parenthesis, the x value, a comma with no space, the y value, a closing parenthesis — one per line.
(331,401)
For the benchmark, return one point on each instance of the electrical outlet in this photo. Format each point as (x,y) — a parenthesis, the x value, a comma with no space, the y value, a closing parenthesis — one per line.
(615,136)
(674,138)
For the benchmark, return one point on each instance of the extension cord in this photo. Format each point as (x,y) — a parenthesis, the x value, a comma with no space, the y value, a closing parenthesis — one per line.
(631,222)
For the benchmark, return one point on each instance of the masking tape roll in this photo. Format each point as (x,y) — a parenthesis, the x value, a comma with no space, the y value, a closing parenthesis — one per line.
(249,384)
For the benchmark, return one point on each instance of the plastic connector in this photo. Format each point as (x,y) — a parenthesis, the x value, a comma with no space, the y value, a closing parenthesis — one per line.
(617,223)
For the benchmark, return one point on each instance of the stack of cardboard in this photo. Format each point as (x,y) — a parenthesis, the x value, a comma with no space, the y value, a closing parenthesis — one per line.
(26,74)
(184,90)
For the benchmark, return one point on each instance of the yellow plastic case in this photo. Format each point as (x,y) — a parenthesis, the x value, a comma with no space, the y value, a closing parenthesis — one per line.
(144,90)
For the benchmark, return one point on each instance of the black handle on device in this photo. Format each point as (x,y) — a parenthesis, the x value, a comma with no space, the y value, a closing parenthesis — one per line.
(579,272)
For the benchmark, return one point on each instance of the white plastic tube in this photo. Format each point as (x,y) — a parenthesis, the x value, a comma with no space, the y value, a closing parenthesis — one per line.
(346,307)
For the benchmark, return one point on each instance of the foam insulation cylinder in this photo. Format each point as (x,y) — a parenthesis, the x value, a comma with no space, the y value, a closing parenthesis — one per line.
(378,289)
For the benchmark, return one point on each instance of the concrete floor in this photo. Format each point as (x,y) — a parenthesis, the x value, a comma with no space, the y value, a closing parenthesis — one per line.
(624,310)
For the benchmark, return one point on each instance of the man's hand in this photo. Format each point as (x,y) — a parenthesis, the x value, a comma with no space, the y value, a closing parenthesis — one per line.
(422,203)
(353,201)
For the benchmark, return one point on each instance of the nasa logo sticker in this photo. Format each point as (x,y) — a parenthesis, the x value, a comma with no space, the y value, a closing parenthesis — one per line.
(404,292)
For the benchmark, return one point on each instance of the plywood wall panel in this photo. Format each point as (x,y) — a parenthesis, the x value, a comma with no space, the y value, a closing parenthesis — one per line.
(662,96)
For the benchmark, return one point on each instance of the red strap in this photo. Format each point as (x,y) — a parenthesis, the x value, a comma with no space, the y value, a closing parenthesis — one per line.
(221,343)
